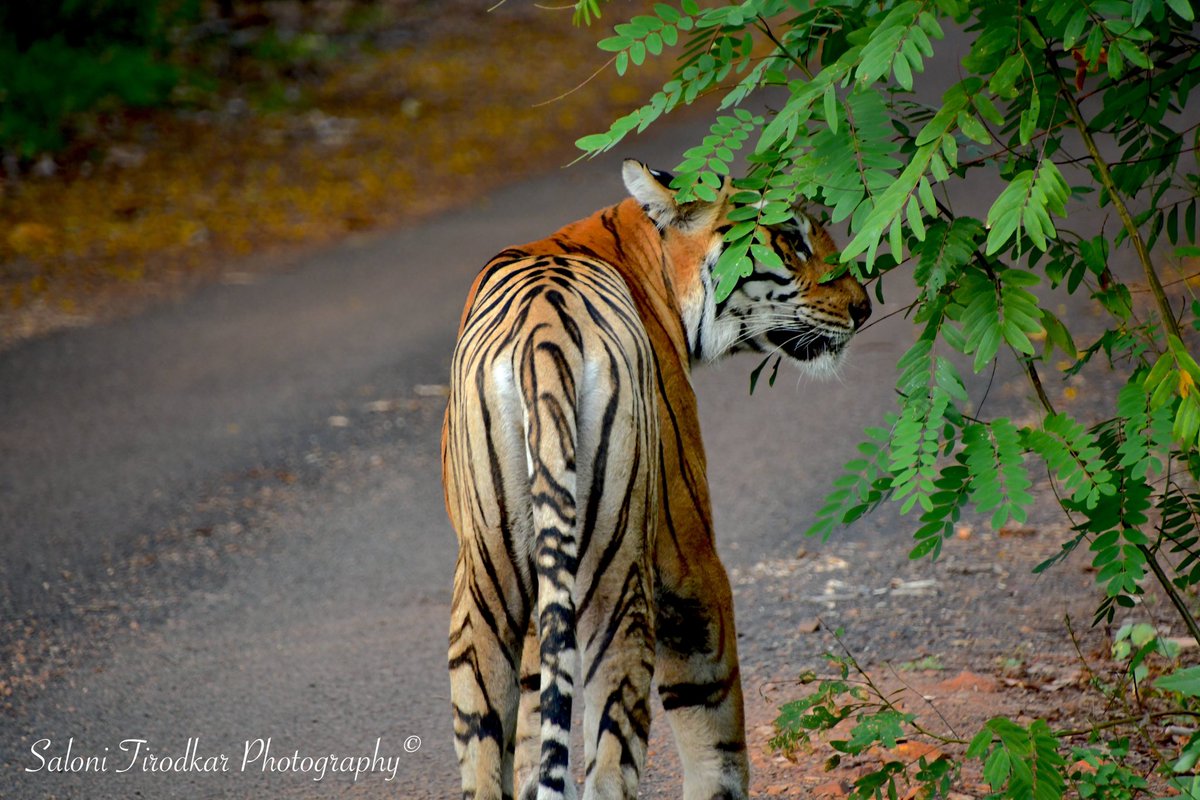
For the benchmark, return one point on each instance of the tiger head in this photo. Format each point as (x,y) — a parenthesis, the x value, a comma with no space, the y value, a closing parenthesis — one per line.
(786,310)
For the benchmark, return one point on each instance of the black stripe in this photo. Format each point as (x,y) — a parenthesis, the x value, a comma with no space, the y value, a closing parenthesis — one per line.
(768,276)
(689,480)
(709,695)
(618,538)
(497,477)
(570,246)
(600,460)
(630,614)
(608,220)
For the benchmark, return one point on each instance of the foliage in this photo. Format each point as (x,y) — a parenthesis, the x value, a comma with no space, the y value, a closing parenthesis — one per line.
(877,722)
(51,81)
(1016,761)
(1063,105)
(64,57)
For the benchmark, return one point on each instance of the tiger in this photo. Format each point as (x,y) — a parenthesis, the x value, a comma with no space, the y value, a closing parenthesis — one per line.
(575,479)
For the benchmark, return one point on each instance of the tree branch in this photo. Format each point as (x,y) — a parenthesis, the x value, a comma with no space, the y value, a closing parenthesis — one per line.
(1106,180)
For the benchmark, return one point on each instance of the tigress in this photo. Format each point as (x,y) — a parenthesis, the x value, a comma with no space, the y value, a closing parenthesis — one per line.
(575,479)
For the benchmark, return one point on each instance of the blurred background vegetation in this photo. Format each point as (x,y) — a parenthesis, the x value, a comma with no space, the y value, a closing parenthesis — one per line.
(147,146)
(63,58)
(68,66)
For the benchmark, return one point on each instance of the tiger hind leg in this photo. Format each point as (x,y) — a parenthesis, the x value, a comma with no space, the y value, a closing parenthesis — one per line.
(700,685)
(483,691)
(616,608)
(618,648)
(529,719)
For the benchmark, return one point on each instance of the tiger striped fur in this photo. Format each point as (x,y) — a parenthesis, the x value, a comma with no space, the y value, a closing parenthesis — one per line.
(575,478)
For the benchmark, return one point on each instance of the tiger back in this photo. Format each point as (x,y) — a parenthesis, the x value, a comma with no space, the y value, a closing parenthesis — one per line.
(575,479)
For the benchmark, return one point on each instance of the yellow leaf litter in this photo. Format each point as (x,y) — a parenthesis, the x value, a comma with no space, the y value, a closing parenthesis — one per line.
(384,141)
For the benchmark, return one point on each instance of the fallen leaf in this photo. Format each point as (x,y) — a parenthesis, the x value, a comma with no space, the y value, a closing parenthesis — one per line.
(833,789)
(967,681)
(910,752)
(1054,679)
(1081,766)
(31,238)
(1007,531)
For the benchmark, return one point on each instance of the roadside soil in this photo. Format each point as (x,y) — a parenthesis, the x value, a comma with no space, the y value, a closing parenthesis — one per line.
(973,636)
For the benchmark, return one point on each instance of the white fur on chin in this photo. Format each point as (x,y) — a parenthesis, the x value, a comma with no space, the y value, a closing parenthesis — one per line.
(824,366)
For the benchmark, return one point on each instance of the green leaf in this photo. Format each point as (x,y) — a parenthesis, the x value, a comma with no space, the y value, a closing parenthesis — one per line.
(594,142)
(1029,117)
(1005,214)
(987,109)
(999,482)
(1003,82)
(1185,681)
(1183,8)
(666,13)
(734,263)
(997,768)
(1027,201)
(637,53)
(903,73)
(973,128)
(1074,28)
(890,204)
(613,44)
(946,250)
(1072,453)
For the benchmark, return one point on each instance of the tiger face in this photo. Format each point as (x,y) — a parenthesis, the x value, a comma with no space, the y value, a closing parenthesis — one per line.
(785,310)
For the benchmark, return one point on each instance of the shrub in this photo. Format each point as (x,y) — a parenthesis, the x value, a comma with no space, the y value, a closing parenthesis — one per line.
(60,59)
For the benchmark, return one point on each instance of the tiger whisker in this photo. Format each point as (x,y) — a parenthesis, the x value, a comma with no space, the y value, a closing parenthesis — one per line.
(769,323)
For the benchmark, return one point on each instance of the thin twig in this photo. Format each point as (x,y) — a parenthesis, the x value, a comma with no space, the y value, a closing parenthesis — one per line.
(1176,600)
(1036,380)
(888,704)
(585,82)
(927,702)
(765,27)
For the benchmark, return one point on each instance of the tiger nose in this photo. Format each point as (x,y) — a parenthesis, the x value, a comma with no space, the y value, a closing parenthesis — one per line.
(859,311)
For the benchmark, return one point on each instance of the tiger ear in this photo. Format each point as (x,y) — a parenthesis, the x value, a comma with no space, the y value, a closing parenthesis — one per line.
(652,189)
